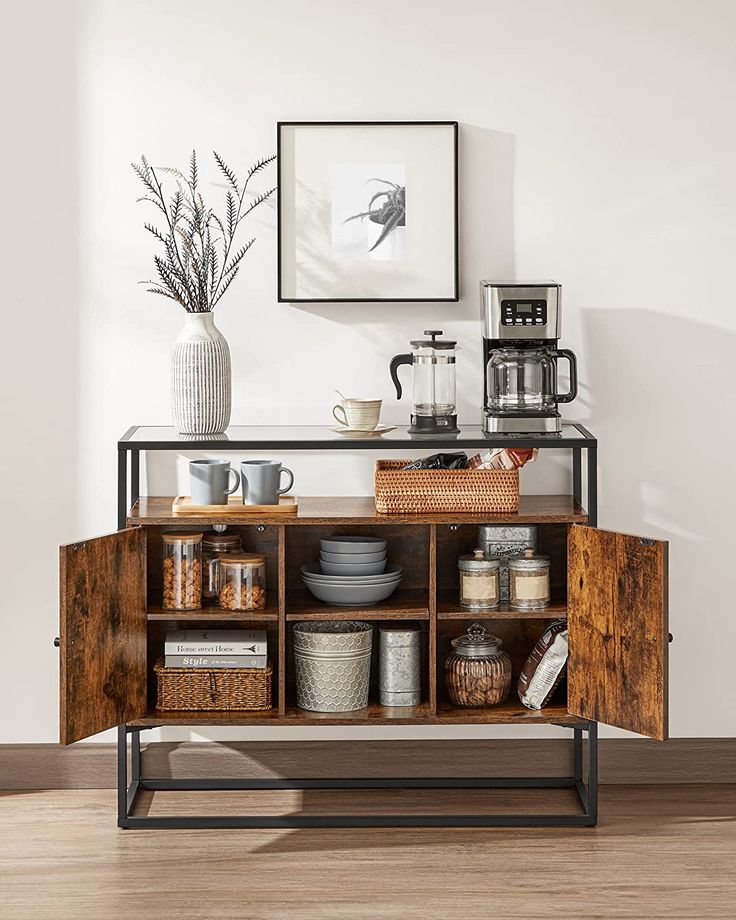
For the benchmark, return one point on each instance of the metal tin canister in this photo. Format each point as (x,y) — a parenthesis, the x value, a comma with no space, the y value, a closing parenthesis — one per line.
(479,581)
(506,542)
(399,666)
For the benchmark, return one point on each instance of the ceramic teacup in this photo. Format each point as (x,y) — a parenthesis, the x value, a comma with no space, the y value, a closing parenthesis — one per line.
(362,414)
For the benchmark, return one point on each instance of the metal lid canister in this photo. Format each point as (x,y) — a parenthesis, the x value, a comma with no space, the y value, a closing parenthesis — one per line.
(529,581)
(479,580)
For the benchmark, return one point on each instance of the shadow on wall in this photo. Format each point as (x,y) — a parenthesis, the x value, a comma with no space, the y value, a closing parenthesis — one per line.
(662,392)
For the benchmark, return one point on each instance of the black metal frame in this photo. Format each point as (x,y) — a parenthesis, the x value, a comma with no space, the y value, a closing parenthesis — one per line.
(587,792)
(370,124)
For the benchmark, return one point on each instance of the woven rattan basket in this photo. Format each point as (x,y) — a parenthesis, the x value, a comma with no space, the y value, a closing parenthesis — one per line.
(213,688)
(400,491)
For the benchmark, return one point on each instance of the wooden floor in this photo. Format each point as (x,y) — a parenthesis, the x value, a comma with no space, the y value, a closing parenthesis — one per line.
(659,852)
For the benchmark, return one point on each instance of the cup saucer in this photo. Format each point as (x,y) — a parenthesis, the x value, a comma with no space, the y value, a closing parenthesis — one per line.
(361,432)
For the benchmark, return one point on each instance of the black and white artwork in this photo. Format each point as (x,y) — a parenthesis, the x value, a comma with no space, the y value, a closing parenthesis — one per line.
(367,211)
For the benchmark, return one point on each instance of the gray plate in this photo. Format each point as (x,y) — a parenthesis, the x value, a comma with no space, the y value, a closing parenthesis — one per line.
(312,572)
(352,595)
(347,568)
(349,544)
(353,558)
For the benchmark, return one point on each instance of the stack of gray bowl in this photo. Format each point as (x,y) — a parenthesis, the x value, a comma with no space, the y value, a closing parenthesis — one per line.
(352,572)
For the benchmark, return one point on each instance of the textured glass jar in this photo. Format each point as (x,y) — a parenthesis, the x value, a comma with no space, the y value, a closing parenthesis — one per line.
(215,545)
(479,581)
(242,582)
(478,673)
(182,571)
(529,581)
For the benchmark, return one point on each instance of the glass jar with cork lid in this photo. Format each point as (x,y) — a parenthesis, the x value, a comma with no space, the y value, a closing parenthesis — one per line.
(479,580)
(242,581)
(529,581)
(182,571)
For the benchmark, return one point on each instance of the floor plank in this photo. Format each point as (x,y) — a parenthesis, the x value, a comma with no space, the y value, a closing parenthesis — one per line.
(659,852)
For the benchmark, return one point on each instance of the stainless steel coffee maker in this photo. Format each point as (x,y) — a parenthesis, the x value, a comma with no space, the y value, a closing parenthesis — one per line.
(521,329)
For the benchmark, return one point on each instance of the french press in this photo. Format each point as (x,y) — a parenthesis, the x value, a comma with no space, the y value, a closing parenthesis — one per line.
(433,386)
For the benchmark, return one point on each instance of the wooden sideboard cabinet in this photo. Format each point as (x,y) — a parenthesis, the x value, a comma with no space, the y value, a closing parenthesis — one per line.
(611,587)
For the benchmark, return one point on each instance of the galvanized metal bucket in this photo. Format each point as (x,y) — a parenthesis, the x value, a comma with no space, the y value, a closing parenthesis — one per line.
(332,661)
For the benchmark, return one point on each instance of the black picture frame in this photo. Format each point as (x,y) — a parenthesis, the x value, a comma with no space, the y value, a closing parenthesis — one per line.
(454,125)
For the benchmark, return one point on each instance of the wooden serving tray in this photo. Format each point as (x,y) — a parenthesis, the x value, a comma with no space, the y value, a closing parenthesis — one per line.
(182,504)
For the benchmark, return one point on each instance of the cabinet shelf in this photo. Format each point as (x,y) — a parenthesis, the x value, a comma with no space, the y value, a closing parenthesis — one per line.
(508,713)
(361,510)
(403,605)
(214,614)
(451,610)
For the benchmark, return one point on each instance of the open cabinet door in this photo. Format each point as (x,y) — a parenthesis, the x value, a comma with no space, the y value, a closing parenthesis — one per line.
(103,633)
(618,633)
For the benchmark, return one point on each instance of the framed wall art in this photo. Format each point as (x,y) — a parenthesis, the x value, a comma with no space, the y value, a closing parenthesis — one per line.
(367,211)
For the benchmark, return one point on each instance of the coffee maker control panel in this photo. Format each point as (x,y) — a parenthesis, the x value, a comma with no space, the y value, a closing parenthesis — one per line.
(523,312)
(519,310)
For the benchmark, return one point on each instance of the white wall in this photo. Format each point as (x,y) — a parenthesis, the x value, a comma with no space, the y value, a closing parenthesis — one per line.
(598,147)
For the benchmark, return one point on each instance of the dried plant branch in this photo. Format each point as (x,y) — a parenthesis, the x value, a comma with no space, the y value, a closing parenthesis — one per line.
(199,262)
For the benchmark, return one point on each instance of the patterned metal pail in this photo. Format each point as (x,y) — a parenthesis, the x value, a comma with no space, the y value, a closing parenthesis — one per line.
(332,663)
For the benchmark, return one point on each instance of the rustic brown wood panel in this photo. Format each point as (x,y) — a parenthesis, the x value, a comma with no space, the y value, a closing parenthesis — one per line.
(617,616)
(212,615)
(361,509)
(103,633)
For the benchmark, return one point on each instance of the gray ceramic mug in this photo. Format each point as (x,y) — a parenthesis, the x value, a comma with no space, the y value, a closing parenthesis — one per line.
(210,481)
(262,481)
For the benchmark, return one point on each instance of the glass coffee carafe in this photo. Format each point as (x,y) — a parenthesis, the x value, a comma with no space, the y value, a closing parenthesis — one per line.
(525,380)
(433,386)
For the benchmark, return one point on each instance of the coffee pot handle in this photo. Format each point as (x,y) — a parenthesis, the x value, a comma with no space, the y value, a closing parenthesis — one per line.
(566,353)
(396,363)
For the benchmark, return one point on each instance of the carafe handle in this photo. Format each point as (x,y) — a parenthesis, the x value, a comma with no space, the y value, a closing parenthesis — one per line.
(396,363)
(573,392)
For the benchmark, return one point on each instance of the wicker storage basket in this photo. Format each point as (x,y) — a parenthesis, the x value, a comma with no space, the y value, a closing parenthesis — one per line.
(400,491)
(213,688)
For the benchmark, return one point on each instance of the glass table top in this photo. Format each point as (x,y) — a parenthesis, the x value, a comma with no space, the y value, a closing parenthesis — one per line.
(316,437)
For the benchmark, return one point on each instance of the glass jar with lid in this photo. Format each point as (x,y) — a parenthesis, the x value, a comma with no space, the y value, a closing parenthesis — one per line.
(182,571)
(478,672)
(529,581)
(242,581)
(215,545)
(479,580)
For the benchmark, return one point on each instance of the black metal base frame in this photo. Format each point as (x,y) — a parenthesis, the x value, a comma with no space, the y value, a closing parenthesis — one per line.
(587,794)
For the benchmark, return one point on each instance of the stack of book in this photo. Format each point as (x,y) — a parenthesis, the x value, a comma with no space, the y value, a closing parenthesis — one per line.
(216,648)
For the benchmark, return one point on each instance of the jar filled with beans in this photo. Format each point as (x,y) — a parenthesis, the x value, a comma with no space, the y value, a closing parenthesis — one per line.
(242,581)
(182,571)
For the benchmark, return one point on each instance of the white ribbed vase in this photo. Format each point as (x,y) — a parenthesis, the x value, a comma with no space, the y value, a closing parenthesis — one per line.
(201,377)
